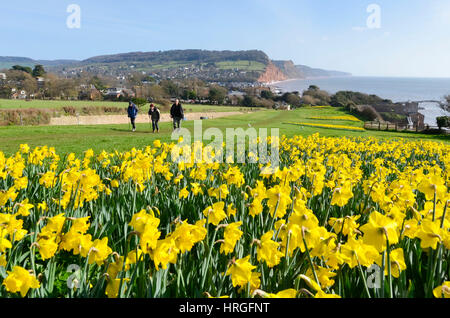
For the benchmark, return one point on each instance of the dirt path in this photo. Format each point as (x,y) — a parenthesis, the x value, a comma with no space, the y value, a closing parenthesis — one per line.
(123,119)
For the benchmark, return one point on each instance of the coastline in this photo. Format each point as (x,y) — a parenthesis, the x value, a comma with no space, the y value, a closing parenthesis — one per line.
(305,79)
(394,89)
(285,81)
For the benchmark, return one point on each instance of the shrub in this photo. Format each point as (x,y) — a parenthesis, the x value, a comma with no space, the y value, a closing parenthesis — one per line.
(140,102)
(443,122)
(394,118)
(343,98)
(70,110)
(366,113)
(25,117)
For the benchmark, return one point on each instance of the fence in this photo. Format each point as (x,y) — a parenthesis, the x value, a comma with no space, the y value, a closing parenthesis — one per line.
(373,125)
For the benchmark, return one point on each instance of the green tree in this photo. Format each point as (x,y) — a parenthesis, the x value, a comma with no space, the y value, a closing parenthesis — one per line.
(189,94)
(267,94)
(217,94)
(25,69)
(292,99)
(345,98)
(443,122)
(22,80)
(5,91)
(320,97)
(98,83)
(39,71)
(171,88)
(248,101)
(140,102)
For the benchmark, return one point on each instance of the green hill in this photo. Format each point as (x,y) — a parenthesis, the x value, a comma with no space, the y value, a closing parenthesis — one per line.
(211,66)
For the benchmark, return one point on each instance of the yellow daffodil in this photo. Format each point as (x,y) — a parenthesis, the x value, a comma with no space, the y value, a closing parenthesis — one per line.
(20,280)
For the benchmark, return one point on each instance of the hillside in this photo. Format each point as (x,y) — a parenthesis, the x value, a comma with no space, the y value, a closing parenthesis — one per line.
(309,72)
(211,66)
(9,61)
(289,69)
(190,56)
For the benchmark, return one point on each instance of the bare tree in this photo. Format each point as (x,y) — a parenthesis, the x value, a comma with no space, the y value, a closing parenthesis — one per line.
(446,106)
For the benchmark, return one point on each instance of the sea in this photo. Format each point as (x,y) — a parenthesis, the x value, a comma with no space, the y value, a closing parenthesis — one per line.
(397,89)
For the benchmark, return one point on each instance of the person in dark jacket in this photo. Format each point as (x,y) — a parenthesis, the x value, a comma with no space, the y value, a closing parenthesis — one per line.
(155,116)
(132,114)
(177,114)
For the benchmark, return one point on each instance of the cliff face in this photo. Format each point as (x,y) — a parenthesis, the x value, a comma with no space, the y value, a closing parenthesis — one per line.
(293,71)
(272,74)
(310,72)
(289,69)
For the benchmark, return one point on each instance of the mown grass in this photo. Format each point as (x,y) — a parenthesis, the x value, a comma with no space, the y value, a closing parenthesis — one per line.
(18,104)
(119,137)
(57,104)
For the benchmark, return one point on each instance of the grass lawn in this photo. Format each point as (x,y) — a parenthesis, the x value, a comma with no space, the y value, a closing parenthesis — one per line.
(18,104)
(118,137)
(56,104)
(241,65)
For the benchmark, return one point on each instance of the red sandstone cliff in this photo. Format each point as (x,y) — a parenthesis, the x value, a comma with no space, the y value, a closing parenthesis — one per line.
(272,74)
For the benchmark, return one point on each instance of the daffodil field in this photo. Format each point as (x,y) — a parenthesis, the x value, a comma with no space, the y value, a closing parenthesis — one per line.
(350,218)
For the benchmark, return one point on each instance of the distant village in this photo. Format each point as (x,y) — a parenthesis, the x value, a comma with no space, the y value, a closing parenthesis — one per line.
(19,83)
(26,84)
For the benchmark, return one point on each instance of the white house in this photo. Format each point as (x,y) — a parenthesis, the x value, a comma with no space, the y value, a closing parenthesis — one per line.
(119,91)
(114,91)
(2,76)
(18,94)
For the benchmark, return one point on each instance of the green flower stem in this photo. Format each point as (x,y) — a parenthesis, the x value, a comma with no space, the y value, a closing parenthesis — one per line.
(311,262)
(391,290)
(363,277)
(204,272)
(383,261)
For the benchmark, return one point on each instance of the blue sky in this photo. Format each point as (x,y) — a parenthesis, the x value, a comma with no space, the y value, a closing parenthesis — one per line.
(413,39)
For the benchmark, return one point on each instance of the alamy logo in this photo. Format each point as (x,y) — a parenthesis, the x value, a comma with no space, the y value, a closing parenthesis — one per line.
(374,19)
(188,149)
(74,280)
(74,19)
(374,279)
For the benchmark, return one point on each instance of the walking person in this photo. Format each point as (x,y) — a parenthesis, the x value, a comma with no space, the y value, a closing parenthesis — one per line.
(155,115)
(132,114)
(177,114)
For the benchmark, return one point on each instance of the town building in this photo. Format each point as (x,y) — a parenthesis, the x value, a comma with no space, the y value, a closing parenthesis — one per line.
(115,92)
(18,94)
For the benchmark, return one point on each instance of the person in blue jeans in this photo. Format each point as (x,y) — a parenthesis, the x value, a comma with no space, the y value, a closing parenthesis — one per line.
(155,116)
(132,114)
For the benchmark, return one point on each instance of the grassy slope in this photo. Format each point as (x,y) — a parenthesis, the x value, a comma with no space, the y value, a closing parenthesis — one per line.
(241,65)
(17,104)
(52,104)
(244,65)
(110,137)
